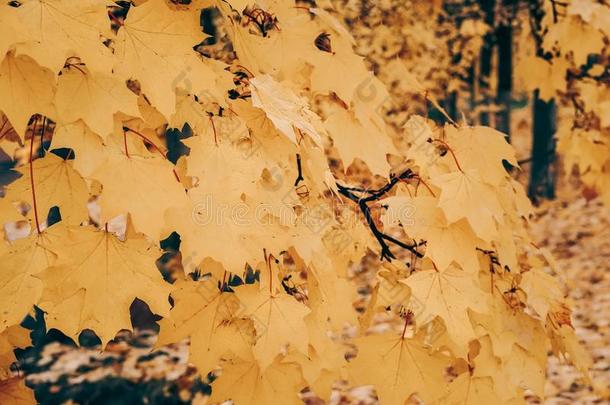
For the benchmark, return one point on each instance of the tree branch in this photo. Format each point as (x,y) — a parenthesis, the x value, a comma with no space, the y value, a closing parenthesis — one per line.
(374,195)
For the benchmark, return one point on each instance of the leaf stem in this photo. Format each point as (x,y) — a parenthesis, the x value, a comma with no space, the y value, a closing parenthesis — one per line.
(155,147)
(420,180)
(408,317)
(115,19)
(268,263)
(446,145)
(214,130)
(125,144)
(34,206)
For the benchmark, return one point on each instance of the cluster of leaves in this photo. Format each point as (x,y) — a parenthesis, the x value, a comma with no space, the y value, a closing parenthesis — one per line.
(437,42)
(569,62)
(267,231)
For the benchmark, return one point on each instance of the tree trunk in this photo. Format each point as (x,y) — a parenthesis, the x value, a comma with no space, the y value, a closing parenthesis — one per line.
(542,175)
(486,58)
(504,37)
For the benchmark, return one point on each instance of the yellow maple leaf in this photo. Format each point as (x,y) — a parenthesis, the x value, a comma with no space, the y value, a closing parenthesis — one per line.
(509,377)
(27,89)
(573,35)
(543,291)
(448,294)
(464,194)
(61,29)
(342,72)
(467,144)
(56,183)
(281,52)
(287,111)
(565,341)
(247,383)
(422,219)
(506,327)
(89,151)
(210,318)
(279,321)
(20,287)
(353,140)
(95,286)
(92,97)
(145,181)
(398,367)
(466,389)
(14,337)
(151,44)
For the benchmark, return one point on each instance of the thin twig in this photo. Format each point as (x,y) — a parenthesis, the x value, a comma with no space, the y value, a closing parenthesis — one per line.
(374,195)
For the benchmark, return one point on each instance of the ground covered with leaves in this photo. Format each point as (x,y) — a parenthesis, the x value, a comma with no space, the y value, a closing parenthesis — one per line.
(131,370)
(576,233)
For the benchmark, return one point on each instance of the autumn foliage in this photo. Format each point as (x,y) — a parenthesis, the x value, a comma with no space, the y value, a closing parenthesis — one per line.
(268,225)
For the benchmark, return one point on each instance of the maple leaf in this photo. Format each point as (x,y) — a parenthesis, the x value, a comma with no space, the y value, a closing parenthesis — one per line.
(448,294)
(56,183)
(465,195)
(92,97)
(422,219)
(565,341)
(506,327)
(89,151)
(11,338)
(231,240)
(152,41)
(284,108)
(27,89)
(145,181)
(20,287)
(538,73)
(398,367)
(57,30)
(507,380)
(330,296)
(354,140)
(342,72)
(281,52)
(466,389)
(246,382)
(99,282)
(573,35)
(278,321)
(240,210)
(467,143)
(325,361)
(543,291)
(209,317)
(585,150)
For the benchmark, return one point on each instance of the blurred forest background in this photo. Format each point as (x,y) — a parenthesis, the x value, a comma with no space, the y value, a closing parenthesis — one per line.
(537,70)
